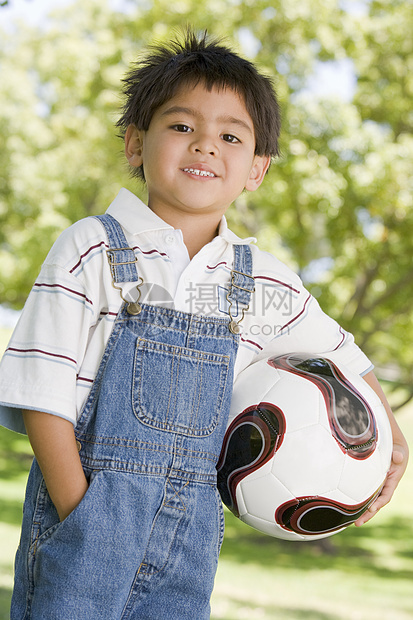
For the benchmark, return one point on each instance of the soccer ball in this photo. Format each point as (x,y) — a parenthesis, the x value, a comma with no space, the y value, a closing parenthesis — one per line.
(307,448)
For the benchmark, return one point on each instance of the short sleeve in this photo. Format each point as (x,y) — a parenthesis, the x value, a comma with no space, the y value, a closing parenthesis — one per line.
(40,365)
(310,330)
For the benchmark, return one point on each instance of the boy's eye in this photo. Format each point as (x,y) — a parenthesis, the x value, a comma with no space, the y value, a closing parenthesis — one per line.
(227,137)
(182,128)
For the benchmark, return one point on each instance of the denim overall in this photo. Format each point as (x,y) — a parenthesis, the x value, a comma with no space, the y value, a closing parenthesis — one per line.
(144,541)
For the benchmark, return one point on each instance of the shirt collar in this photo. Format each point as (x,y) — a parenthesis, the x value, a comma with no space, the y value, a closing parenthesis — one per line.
(136,217)
(225,233)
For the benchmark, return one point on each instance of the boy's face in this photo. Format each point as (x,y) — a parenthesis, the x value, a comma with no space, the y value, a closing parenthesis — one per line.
(198,153)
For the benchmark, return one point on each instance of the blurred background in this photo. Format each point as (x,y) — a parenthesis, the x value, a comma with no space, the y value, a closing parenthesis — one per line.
(336,207)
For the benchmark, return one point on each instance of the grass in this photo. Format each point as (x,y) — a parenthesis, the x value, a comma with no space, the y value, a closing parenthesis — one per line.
(360,574)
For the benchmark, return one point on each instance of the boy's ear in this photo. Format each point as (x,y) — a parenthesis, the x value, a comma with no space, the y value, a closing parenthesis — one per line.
(133,146)
(258,171)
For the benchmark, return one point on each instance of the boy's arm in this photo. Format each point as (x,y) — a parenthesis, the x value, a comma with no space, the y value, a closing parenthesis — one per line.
(399,458)
(54,445)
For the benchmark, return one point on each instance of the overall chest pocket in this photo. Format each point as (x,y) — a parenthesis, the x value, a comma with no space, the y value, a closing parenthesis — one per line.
(177,389)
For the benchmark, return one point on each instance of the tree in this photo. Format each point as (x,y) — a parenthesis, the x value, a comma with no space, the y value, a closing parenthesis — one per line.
(336,206)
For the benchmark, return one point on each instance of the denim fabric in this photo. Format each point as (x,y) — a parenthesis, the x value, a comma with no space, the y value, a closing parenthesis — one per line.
(144,541)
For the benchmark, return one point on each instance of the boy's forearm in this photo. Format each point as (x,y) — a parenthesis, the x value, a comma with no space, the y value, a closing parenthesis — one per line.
(399,458)
(54,445)
(373,382)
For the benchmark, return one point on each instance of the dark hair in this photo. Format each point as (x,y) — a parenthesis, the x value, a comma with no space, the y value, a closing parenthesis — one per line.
(166,68)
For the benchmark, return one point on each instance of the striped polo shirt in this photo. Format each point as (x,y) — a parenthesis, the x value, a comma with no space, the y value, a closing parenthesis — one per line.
(57,345)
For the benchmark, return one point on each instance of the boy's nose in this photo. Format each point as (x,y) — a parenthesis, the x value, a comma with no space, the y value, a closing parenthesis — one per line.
(208,150)
(205,145)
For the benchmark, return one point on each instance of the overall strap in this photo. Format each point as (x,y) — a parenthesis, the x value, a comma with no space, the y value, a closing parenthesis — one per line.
(121,257)
(122,261)
(242,285)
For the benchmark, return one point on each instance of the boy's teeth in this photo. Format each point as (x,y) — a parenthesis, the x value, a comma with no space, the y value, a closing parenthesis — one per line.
(201,173)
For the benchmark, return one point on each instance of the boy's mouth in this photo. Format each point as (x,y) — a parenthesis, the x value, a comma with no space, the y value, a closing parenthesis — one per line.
(200,173)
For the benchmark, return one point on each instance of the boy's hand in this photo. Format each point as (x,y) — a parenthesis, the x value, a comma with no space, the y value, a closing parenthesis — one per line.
(54,445)
(396,471)
(69,504)
(400,456)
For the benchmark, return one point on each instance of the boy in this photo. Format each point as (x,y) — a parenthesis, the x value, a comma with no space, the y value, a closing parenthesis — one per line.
(125,404)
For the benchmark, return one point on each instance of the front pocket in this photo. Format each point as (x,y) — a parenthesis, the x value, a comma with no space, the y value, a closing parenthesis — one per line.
(46,520)
(177,389)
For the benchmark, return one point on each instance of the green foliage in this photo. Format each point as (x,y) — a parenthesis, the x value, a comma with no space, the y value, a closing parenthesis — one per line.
(337,206)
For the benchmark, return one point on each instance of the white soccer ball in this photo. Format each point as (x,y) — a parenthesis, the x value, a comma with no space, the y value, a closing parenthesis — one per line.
(307,448)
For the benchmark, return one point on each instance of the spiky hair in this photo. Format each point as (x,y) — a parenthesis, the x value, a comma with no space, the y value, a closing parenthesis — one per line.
(188,61)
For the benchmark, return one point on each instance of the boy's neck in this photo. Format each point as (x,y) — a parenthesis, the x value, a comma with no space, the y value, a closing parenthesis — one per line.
(196,235)
(197,230)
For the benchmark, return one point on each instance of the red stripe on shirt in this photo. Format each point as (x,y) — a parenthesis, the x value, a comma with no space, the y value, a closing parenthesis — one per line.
(136,247)
(217,265)
(342,339)
(278,282)
(82,256)
(64,357)
(252,342)
(40,284)
(298,315)
(103,243)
